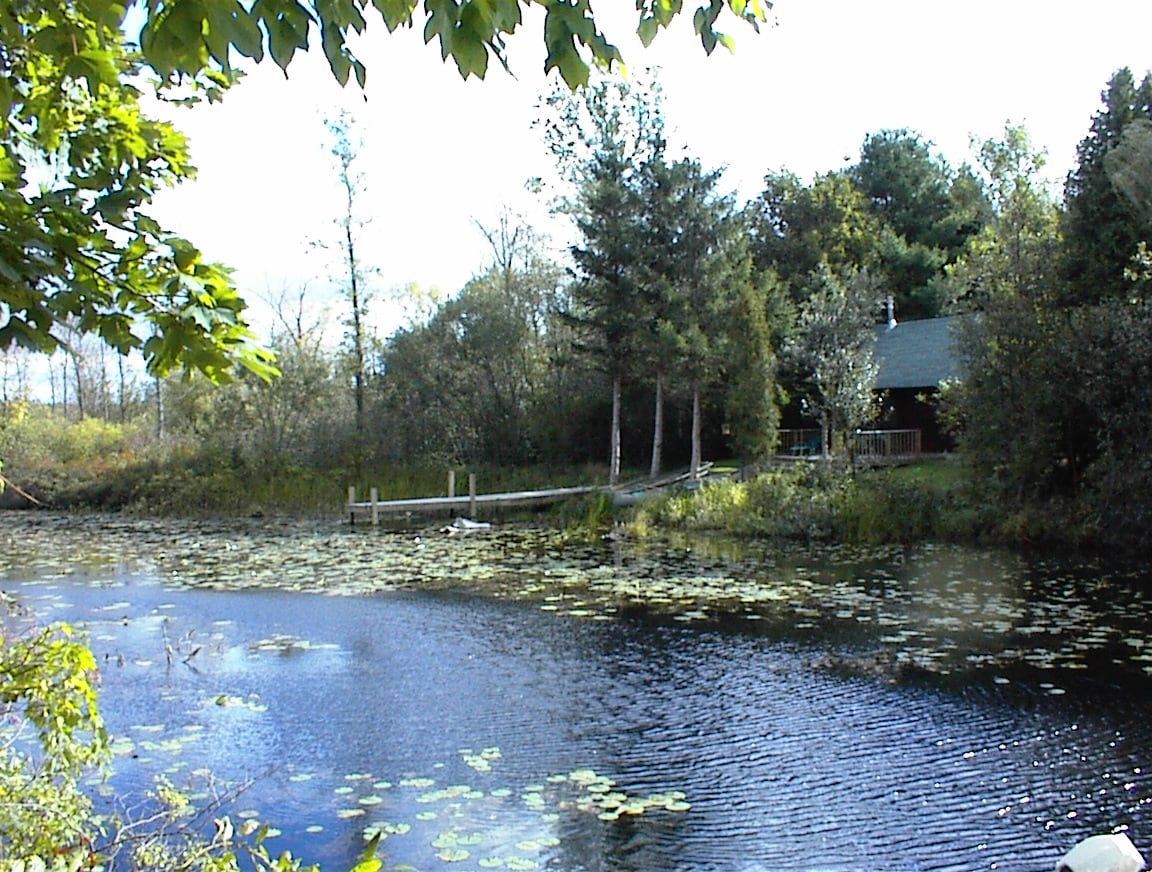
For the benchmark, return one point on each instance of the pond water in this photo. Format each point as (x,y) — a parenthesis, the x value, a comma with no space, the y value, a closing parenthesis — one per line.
(511,700)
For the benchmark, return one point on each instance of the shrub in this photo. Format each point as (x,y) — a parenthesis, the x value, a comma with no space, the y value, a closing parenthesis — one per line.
(794,501)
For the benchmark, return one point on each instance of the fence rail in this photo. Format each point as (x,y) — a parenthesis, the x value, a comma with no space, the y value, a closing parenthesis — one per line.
(866,444)
(800,443)
(886,443)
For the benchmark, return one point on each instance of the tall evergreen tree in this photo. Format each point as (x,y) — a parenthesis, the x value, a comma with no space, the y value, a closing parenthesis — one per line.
(606,139)
(1102,226)
(759,303)
(928,212)
(687,247)
(906,186)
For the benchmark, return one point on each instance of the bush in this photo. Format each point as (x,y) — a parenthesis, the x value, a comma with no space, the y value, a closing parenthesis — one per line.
(51,734)
(794,501)
(822,501)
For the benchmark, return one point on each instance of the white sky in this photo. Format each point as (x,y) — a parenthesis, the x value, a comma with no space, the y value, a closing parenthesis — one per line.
(801,96)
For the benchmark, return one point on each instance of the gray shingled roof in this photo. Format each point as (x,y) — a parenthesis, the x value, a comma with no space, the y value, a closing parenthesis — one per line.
(916,354)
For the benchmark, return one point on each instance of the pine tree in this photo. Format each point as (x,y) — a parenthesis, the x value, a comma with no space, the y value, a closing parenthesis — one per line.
(1102,229)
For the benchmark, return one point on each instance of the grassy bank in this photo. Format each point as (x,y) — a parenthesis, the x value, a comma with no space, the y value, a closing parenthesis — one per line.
(182,482)
(930,500)
(797,501)
(104,466)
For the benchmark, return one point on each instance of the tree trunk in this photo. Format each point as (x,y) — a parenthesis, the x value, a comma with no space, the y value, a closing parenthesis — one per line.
(694,465)
(159,408)
(825,436)
(79,392)
(658,428)
(123,389)
(357,330)
(614,442)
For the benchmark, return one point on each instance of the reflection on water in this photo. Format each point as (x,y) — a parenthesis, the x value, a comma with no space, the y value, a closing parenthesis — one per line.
(924,709)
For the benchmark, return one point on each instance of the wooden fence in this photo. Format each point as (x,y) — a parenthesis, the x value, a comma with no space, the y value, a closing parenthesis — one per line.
(799,443)
(866,444)
(884,444)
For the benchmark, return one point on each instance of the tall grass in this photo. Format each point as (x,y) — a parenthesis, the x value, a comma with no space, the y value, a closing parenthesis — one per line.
(796,501)
(816,501)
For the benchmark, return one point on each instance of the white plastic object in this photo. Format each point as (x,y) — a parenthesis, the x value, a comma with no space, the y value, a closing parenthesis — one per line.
(1111,853)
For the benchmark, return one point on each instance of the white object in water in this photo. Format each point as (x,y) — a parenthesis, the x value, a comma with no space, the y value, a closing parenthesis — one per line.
(466,525)
(1113,853)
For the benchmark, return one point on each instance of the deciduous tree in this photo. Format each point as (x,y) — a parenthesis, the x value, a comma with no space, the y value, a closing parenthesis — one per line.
(79,165)
(796,227)
(189,36)
(356,272)
(831,353)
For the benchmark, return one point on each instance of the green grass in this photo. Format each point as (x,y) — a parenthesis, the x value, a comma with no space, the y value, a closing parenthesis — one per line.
(929,500)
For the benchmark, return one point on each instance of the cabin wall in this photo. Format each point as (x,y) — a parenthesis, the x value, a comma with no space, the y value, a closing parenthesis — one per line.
(915,409)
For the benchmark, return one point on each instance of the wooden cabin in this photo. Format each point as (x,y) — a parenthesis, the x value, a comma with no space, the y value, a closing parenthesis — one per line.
(914,358)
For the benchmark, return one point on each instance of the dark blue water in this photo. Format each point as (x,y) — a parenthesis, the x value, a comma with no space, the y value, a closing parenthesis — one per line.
(349,712)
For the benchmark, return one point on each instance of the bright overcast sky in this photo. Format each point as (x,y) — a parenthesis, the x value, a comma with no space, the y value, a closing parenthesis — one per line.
(802,95)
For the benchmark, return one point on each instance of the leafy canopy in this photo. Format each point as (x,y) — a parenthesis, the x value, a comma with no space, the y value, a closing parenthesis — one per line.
(79,164)
(185,37)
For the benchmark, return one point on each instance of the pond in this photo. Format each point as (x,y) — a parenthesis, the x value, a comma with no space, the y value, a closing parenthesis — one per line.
(513,700)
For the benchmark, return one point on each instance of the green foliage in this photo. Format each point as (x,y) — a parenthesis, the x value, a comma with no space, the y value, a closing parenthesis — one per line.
(797,501)
(796,227)
(1051,429)
(587,518)
(472,384)
(925,224)
(1112,356)
(52,737)
(33,437)
(1129,167)
(908,188)
(664,278)
(51,734)
(609,142)
(901,214)
(1015,254)
(79,164)
(933,501)
(1103,225)
(184,39)
(50,454)
(749,363)
(830,356)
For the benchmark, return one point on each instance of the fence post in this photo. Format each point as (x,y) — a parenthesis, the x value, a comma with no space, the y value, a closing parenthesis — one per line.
(375,509)
(472,495)
(451,483)
(351,501)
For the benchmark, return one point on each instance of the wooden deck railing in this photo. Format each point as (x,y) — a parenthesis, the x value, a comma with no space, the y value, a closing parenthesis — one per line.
(799,443)
(886,443)
(865,443)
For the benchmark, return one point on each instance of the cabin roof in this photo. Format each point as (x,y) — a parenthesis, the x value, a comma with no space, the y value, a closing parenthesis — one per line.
(916,354)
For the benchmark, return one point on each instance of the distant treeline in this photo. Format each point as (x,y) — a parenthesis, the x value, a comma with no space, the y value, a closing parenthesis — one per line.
(699,324)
